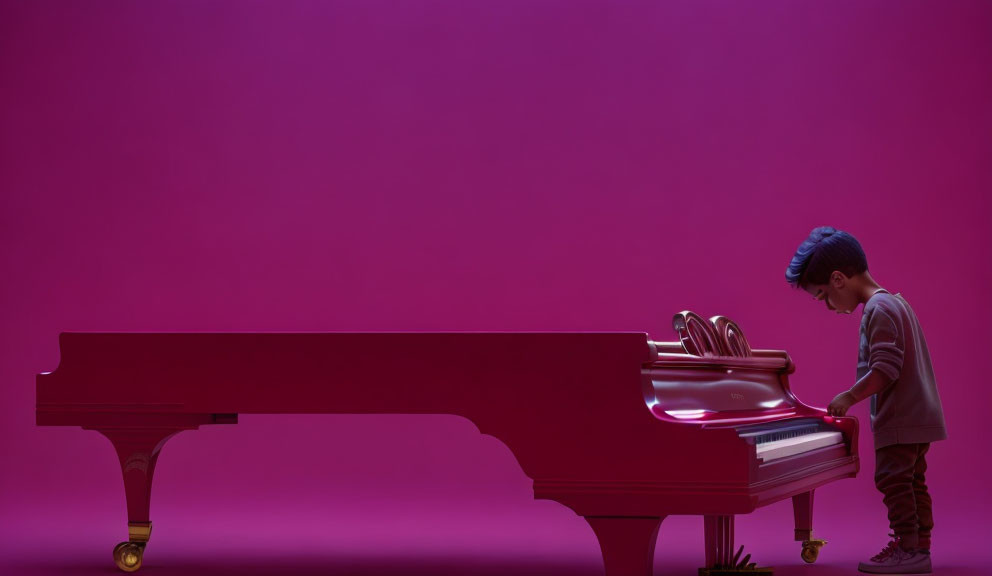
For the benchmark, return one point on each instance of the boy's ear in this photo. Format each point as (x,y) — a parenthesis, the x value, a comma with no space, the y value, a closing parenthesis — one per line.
(837,279)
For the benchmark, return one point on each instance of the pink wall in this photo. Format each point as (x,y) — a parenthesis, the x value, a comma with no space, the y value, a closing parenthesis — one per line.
(484,165)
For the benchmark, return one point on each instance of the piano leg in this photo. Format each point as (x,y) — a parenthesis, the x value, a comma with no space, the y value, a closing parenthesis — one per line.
(627,543)
(137,450)
(802,507)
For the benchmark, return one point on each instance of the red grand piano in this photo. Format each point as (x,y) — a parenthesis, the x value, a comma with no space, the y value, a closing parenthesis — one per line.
(623,430)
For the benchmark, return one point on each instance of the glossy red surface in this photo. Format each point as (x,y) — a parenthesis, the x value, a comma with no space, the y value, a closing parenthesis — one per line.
(575,409)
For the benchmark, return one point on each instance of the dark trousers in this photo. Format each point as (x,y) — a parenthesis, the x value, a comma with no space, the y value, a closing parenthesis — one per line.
(899,476)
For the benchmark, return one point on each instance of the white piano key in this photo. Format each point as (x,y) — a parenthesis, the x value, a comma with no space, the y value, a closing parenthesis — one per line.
(797,445)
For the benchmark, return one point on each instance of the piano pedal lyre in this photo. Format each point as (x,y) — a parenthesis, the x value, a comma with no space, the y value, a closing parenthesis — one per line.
(736,567)
(811,549)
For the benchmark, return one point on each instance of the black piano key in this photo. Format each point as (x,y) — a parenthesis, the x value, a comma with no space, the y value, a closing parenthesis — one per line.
(770,433)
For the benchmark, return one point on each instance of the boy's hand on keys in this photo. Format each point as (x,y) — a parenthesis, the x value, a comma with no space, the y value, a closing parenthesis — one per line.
(841,403)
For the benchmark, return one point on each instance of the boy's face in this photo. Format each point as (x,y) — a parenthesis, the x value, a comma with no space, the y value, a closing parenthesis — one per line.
(837,293)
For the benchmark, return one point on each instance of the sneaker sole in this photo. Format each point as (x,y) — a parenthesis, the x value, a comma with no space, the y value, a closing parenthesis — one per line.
(899,571)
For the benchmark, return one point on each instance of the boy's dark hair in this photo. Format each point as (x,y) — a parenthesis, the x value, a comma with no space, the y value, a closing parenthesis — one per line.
(824,251)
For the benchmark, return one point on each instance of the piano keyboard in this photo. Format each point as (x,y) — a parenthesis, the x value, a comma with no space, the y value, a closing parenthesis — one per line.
(772,434)
(779,440)
(775,449)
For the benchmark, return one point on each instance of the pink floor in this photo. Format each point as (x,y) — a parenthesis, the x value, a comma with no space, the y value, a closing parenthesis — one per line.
(373,538)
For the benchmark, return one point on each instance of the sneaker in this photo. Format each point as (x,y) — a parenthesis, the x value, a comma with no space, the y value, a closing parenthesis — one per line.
(887,551)
(894,559)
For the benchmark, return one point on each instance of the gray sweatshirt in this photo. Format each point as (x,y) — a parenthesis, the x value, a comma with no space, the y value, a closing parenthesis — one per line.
(908,410)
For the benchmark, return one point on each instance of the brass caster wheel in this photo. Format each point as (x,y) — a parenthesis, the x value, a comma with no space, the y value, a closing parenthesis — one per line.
(811,550)
(127,556)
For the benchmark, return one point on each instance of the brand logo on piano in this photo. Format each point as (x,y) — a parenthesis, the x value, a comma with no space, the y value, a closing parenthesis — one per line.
(736,396)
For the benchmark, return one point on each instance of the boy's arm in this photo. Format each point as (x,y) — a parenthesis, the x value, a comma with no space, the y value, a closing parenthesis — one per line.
(873,382)
(885,356)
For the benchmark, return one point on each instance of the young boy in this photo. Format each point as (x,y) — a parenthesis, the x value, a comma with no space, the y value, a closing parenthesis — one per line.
(894,371)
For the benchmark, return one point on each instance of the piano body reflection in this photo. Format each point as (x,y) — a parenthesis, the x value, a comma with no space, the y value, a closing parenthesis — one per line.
(621,429)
